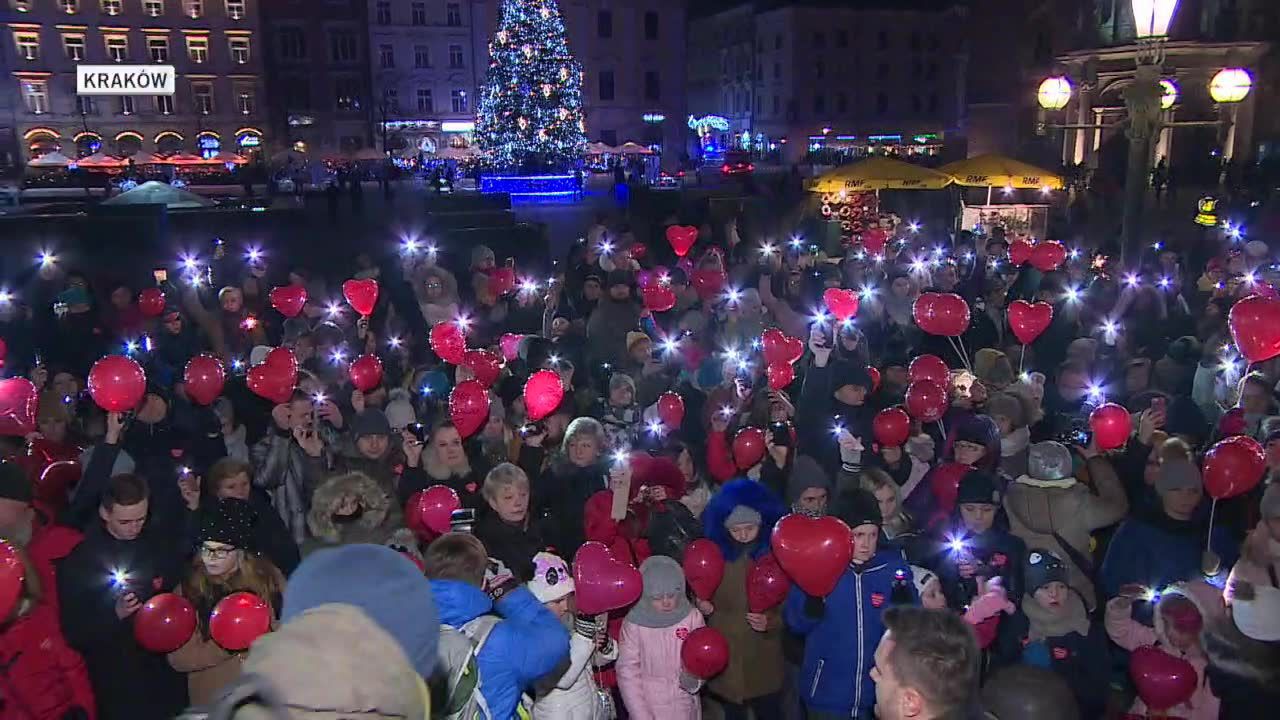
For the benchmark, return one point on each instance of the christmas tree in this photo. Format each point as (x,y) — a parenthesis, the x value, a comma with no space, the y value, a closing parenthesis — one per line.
(530,110)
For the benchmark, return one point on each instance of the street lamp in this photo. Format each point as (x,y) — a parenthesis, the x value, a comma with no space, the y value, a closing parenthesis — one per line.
(1230,85)
(1054,93)
(1169,89)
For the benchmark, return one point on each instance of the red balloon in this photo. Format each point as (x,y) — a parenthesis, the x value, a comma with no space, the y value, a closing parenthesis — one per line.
(682,238)
(638,251)
(543,393)
(778,348)
(1048,256)
(238,619)
(1020,252)
(705,653)
(671,409)
(13,573)
(1111,426)
(944,483)
(842,303)
(1029,320)
(429,512)
(767,584)
(502,280)
(117,383)
(875,378)
(926,400)
(362,295)
(1233,466)
(1162,680)
(509,343)
(484,364)
(289,299)
(748,447)
(449,342)
(19,402)
(56,482)
(874,240)
(275,377)
(780,374)
(151,302)
(703,567)
(929,367)
(891,427)
(204,379)
(813,551)
(1255,327)
(708,283)
(602,583)
(941,314)
(469,407)
(4,351)
(365,372)
(164,623)
(658,298)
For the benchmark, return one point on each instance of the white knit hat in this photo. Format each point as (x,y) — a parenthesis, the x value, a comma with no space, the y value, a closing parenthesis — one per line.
(1259,616)
(551,578)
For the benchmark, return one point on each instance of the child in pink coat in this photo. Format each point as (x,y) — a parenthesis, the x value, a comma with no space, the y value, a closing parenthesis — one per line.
(1181,611)
(654,685)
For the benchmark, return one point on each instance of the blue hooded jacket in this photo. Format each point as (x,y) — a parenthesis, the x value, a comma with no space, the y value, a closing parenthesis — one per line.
(742,491)
(528,643)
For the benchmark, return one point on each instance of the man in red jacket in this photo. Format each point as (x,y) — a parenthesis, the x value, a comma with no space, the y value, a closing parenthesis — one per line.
(22,524)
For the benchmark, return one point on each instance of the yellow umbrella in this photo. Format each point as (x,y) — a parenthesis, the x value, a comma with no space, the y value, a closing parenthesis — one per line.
(993,170)
(880,173)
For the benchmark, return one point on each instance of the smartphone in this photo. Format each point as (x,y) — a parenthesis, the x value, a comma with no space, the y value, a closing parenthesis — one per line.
(161,275)
(418,430)
(1159,404)
(462,520)
(781,433)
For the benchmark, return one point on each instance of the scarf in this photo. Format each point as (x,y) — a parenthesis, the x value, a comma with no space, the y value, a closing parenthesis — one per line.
(662,576)
(1045,624)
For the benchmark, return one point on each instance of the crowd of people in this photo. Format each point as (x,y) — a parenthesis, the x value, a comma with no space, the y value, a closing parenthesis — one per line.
(1003,562)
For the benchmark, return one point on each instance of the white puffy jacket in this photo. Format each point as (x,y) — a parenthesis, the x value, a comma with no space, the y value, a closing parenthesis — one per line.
(574,696)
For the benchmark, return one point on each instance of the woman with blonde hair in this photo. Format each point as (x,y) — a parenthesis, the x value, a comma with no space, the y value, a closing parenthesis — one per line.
(898,525)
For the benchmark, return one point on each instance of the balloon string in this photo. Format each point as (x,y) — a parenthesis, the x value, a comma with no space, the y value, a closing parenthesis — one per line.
(943,429)
(964,354)
(1213,508)
(1022,357)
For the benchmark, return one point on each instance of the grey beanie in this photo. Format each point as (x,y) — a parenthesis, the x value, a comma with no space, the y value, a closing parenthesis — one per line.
(1178,475)
(806,473)
(1271,501)
(1049,460)
(743,515)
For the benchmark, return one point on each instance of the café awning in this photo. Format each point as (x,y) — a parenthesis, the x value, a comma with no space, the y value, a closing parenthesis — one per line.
(879,173)
(992,170)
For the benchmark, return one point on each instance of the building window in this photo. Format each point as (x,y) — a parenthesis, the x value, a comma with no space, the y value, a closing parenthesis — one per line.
(126,105)
(916,69)
(239,45)
(933,102)
(342,46)
(193,8)
(882,103)
(424,100)
(202,96)
(882,40)
(842,103)
(650,25)
(386,57)
(455,56)
(293,44)
(882,72)
(74,45)
(421,56)
(819,41)
(777,71)
(819,68)
(198,49)
(652,86)
(70,7)
(164,104)
(419,10)
(606,85)
(915,103)
(453,15)
(458,101)
(819,104)
(391,102)
(931,70)
(85,105)
(153,8)
(842,38)
(112,7)
(759,105)
(36,94)
(915,41)
(235,9)
(118,47)
(297,94)
(384,12)
(28,45)
(245,101)
(777,41)
(347,94)
(604,24)
(158,49)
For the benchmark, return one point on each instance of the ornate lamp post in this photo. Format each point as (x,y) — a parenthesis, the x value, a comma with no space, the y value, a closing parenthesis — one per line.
(1228,88)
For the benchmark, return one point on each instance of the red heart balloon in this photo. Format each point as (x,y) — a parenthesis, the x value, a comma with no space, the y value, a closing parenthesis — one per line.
(289,299)
(658,298)
(117,383)
(1162,680)
(874,240)
(485,365)
(875,378)
(926,400)
(705,653)
(748,447)
(1110,425)
(1048,256)
(362,295)
(365,372)
(429,512)
(543,393)
(1233,466)
(929,367)
(941,314)
(1020,252)
(891,427)
(648,277)
(449,342)
(671,409)
(13,574)
(703,567)
(682,238)
(767,584)
(509,343)
(275,377)
(602,583)
(469,407)
(638,251)
(164,623)
(238,619)
(842,303)
(813,551)
(708,283)
(778,348)
(1029,320)
(204,379)
(19,402)
(151,302)
(1255,327)
(502,280)
(780,375)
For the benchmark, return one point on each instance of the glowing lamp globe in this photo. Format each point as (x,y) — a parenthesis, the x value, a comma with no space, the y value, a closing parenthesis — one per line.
(1054,93)
(1151,18)
(1168,94)
(1230,85)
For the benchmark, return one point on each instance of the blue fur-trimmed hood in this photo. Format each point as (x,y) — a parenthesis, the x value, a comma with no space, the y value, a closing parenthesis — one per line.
(742,491)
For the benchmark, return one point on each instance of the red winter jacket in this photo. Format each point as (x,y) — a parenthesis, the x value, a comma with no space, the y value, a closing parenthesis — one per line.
(720,457)
(41,677)
(49,544)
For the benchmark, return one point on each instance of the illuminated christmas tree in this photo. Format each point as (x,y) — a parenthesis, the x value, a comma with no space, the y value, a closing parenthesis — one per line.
(530,109)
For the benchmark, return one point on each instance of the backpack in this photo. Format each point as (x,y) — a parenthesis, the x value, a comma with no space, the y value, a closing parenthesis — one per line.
(455,683)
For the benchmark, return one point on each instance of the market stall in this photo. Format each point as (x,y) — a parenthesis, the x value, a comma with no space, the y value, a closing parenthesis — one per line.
(1017,214)
(850,194)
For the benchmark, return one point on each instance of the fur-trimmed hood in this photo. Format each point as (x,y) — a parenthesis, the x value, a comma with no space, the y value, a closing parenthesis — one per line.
(378,519)
(1232,652)
(1206,598)
(742,491)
